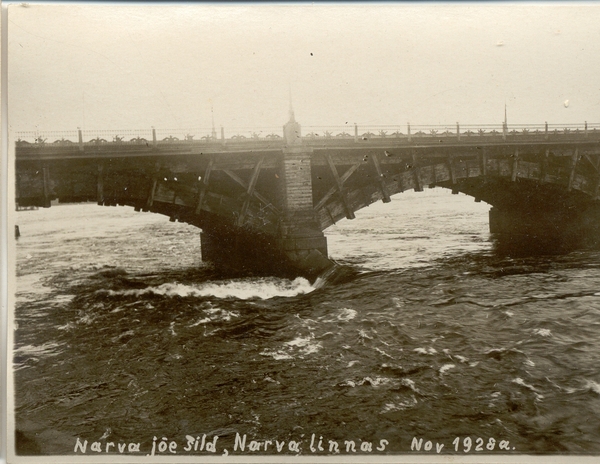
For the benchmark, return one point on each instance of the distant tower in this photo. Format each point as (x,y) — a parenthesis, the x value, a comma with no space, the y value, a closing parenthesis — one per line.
(213,134)
(291,130)
(505,124)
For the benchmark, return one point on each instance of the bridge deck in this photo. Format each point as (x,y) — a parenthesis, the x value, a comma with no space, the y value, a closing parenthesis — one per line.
(67,150)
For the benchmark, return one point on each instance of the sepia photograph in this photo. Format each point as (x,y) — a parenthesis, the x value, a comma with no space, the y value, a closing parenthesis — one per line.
(308,232)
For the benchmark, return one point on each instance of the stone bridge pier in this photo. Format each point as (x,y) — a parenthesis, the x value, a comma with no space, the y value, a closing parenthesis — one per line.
(299,247)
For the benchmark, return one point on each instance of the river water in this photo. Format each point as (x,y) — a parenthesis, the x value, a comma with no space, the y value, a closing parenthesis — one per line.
(122,335)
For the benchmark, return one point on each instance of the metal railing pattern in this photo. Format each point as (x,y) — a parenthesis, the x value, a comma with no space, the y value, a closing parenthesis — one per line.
(408,132)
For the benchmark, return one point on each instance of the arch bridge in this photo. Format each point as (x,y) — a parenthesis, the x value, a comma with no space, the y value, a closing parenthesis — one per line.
(263,202)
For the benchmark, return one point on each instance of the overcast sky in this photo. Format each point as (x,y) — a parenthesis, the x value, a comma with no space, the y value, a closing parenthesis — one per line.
(135,66)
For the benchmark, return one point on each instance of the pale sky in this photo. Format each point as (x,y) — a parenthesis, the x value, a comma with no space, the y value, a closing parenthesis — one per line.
(135,66)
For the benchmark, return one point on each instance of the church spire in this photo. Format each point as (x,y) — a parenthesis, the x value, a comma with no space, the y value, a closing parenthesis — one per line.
(291,129)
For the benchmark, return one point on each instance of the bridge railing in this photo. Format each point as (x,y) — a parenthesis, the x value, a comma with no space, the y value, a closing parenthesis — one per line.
(47,137)
(220,134)
(455,131)
(124,137)
(85,137)
(450,132)
(151,136)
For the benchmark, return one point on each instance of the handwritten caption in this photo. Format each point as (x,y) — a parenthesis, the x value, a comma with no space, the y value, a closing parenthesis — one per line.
(241,444)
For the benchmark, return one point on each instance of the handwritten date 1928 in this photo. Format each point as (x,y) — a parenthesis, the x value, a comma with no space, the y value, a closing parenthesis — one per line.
(466,445)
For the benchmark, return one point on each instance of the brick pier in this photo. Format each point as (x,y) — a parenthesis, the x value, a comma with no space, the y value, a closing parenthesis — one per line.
(300,237)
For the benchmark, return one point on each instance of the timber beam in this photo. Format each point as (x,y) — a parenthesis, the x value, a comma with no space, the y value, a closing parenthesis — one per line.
(574,161)
(254,193)
(339,185)
(203,189)
(100,185)
(380,179)
(250,191)
(515,166)
(416,173)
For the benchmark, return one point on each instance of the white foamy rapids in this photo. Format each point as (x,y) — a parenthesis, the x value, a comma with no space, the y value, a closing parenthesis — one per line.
(298,347)
(446,367)
(399,406)
(48,349)
(592,386)
(214,314)
(430,350)
(585,386)
(495,397)
(520,381)
(243,289)
(341,315)
(31,287)
(305,345)
(374,382)
(379,350)
(363,334)
(67,327)
(397,302)
(542,332)
(346,314)
(277,355)
(410,384)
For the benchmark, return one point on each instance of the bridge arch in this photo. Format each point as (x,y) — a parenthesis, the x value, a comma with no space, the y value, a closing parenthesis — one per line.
(533,190)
